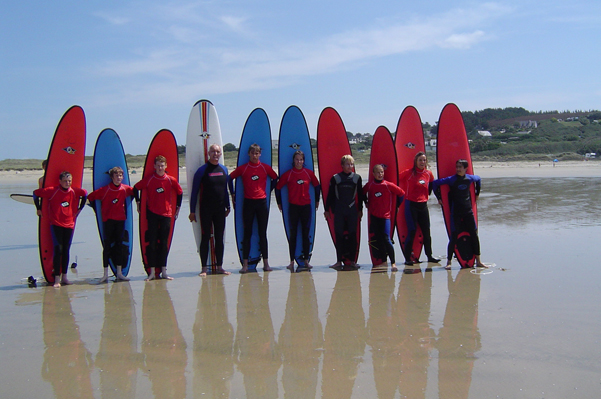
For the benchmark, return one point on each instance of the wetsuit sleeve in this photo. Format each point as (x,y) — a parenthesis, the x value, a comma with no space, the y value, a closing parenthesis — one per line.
(136,194)
(228,185)
(477,184)
(360,194)
(196,187)
(331,199)
(430,187)
(178,202)
(317,193)
(83,196)
(278,196)
(36,202)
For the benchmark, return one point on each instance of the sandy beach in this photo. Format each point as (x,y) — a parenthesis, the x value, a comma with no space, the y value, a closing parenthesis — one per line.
(527,327)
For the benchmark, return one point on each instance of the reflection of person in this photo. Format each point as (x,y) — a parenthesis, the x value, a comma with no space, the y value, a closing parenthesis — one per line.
(298,179)
(159,188)
(64,204)
(254,176)
(382,198)
(417,180)
(112,199)
(462,213)
(210,188)
(345,200)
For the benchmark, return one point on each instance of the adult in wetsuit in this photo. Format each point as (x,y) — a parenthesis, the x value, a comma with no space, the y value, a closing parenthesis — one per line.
(345,199)
(113,206)
(210,186)
(462,213)
(160,210)
(254,176)
(64,204)
(417,181)
(298,179)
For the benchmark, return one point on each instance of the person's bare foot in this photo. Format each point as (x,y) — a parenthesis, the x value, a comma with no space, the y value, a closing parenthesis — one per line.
(120,275)
(151,276)
(393,268)
(221,271)
(448,266)
(104,279)
(57,284)
(336,265)
(290,266)
(65,281)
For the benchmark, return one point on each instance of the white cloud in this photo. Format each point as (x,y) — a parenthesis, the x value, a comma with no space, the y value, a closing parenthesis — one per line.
(112,19)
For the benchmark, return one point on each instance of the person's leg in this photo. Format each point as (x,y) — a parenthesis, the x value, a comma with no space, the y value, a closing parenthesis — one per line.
(67,238)
(305,219)
(219,234)
(339,224)
(293,221)
(423,220)
(248,216)
(262,219)
(164,232)
(410,217)
(351,242)
(152,237)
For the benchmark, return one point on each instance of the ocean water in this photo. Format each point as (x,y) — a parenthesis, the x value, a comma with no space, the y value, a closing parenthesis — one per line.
(526,328)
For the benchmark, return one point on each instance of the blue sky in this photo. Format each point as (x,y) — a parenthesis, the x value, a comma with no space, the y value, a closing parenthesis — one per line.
(139,66)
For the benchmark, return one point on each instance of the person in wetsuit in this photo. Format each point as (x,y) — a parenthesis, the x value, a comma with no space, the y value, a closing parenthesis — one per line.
(417,181)
(64,204)
(345,199)
(112,203)
(462,213)
(298,179)
(210,187)
(160,209)
(254,176)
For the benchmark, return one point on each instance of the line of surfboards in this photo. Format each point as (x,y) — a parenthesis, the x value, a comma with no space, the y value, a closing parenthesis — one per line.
(68,147)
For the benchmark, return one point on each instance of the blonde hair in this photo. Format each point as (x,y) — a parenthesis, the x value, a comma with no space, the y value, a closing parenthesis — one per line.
(346,158)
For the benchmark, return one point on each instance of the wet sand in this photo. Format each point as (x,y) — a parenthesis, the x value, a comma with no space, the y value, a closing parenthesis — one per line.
(528,328)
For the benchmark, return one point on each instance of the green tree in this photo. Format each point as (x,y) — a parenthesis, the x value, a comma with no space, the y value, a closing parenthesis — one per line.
(229,147)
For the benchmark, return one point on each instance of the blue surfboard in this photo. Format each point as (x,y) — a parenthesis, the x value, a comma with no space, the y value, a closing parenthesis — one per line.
(294,135)
(109,153)
(256,131)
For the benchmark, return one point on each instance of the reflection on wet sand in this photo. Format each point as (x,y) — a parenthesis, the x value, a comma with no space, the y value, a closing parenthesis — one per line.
(459,339)
(213,341)
(163,344)
(117,358)
(416,334)
(67,363)
(301,338)
(383,338)
(344,338)
(256,351)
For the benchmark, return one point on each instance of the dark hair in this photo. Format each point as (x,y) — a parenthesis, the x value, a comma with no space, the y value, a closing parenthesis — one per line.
(419,154)
(115,170)
(463,162)
(298,152)
(254,147)
(160,158)
(64,174)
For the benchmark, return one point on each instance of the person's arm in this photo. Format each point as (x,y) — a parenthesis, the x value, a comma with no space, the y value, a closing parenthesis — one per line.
(317,195)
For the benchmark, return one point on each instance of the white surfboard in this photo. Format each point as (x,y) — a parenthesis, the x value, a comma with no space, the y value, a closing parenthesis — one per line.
(203,131)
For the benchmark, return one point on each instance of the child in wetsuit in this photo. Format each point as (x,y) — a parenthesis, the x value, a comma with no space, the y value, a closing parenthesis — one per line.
(112,199)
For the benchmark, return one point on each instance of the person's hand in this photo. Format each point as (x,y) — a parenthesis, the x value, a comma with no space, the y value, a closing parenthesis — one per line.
(39,212)
(280,207)
(326,214)
(176,212)
(227,212)
(138,206)
(192,217)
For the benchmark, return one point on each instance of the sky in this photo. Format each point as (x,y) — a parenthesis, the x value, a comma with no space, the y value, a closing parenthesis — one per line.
(139,66)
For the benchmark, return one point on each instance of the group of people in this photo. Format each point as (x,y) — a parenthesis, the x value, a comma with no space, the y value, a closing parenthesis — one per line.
(345,199)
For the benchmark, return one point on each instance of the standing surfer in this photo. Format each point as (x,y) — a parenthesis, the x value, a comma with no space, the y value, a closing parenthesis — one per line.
(417,181)
(254,176)
(210,188)
(462,213)
(345,199)
(113,198)
(64,204)
(160,209)
(298,179)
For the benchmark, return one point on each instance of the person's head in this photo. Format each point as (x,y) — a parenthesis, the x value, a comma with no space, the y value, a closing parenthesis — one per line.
(461,167)
(348,163)
(378,172)
(298,159)
(44,164)
(116,175)
(254,152)
(420,161)
(65,180)
(214,154)
(160,165)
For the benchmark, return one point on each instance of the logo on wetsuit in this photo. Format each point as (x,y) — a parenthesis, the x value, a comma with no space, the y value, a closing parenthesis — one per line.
(378,194)
(300,181)
(115,200)
(463,186)
(421,181)
(65,204)
(254,178)
(160,190)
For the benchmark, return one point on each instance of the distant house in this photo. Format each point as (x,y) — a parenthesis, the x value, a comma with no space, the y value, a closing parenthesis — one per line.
(532,124)
(590,155)
(484,133)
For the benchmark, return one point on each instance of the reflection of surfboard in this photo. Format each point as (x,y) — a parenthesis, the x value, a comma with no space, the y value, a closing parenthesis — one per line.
(163,144)
(382,152)
(66,154)
(109,153)
(23,198)
(452,145)
(409,140)
(294,135)
(256,130)
(332,145)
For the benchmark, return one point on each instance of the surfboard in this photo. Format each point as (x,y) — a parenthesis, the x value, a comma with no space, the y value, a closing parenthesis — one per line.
(382,152)
(408,141)
(203,132)
(452,145)
(294,135)
(164,144)
(109,153)
(67,152)
(23,198)
(256,130)
(332,145)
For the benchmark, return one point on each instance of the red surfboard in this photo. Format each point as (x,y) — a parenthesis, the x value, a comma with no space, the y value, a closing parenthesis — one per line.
(164,144)
(452,145)
(332,145)
(66,153)
(382,152)
(408,141)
